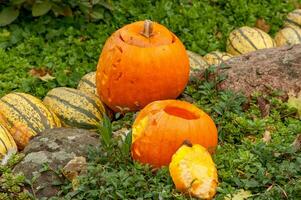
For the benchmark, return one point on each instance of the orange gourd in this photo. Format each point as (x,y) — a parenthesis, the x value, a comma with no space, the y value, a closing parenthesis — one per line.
(162,126)
(140,63)
(193,171)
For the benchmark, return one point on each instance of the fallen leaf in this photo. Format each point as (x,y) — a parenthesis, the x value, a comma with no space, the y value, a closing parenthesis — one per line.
(264,106)
(251,138)
(38,72)
(218,35)
(47,78)
(267,136)
(239,195)
(121,133)
(42,74)
(294,101)
(297,5)
(75,167)
(297,143)
(263,25)
(67,71)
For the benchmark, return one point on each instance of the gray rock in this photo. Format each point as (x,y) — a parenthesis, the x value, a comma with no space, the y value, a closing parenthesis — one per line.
(55,147)
(265,70)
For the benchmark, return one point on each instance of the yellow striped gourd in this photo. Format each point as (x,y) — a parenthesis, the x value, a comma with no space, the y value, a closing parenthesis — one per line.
(217,57)
(75,108)
(246,39)
(196,62)
(288,36)
(88,83)
(293,19)
(26,116)
(7,144)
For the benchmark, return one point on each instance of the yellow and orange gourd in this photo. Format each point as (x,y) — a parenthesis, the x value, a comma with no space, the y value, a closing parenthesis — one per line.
(26,117)
(193,171)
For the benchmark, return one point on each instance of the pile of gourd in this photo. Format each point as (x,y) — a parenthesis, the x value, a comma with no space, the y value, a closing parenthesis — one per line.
(143,66)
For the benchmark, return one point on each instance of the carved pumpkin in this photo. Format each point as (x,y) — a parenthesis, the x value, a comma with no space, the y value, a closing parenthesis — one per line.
(162,126)
(140,63)
(193,171)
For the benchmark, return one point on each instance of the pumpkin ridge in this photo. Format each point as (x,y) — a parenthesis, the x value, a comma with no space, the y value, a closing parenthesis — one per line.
(246,38)
(7,136)
(44,119)
(260,33)
(88,82)
(88,98)
(234,48)
(71,123)
(83,111)
(28,122)
(3,144)
(293,22)
(296,32)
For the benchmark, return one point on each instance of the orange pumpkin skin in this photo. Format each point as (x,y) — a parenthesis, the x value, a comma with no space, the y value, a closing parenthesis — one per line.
(161,127)
(193,171)
(134,70)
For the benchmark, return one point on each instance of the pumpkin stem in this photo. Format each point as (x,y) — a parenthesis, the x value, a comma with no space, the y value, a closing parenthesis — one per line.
(187,143)
(147,29)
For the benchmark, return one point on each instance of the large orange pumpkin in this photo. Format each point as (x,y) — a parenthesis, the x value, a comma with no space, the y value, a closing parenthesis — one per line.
(162,126)
(140,63)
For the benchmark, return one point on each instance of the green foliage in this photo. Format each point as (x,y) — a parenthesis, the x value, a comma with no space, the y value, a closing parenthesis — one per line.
(92,10)
(69,47)
(8,15)
(12,185)
(106,131)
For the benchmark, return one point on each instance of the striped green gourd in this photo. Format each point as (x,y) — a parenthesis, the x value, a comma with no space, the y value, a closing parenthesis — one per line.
(75,108)
(26,116)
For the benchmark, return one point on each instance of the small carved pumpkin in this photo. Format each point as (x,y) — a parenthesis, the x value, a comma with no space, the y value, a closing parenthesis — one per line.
(162,126)
(193,171)
(140,63)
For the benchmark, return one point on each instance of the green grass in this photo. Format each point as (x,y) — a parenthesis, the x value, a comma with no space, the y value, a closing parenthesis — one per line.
(70,47)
